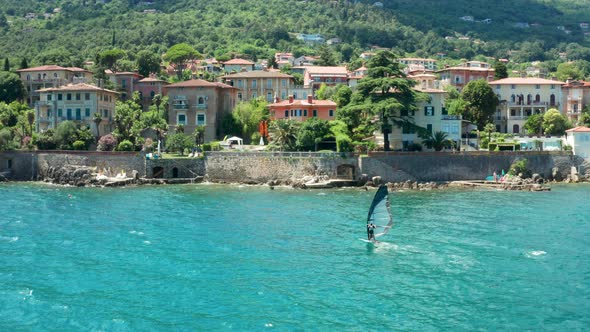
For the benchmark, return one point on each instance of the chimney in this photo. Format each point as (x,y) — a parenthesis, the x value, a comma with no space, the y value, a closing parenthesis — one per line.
(291,99)
(277,99)
(310,99)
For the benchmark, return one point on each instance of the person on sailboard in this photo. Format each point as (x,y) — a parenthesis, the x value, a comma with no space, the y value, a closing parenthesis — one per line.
(371,231)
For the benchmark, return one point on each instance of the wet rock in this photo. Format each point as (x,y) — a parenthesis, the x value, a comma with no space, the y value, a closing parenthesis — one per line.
(377,180)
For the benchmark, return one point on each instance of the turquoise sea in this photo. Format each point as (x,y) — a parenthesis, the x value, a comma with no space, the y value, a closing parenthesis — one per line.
(212,257)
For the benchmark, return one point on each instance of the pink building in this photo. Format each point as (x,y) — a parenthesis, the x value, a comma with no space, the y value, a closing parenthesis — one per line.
(459,76)
(50,76)
(148,88)
(316,75)
(302,110)
(124,82)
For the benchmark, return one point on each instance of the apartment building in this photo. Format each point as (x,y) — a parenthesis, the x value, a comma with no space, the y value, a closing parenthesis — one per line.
(50,76)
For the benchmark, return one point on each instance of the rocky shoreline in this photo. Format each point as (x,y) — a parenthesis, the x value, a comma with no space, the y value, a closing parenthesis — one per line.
(83,176)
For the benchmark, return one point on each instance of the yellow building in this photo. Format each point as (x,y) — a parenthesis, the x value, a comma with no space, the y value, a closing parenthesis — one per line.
(50,76)
(522,97)
(76,102)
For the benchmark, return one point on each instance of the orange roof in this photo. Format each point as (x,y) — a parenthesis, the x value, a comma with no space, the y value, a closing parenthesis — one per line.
(77,87)
(576,84)
(52,67)
(198,83)
(257,74)
(299,102)
(580,129)
(150,79)
(238,61)
(525,80)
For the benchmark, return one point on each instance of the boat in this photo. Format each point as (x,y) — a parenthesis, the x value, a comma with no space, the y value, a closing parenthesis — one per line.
(380,214)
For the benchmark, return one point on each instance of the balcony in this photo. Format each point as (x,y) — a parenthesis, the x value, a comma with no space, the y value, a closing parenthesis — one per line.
(451,117)
(534,103)
(201,106)
(571,98)
(179,98)
(180,106)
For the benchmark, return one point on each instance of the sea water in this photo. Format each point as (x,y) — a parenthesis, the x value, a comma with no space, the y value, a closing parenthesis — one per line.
(212,257)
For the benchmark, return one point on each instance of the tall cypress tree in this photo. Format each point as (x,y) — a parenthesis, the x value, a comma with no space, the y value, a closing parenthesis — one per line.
(24,64)
(6,65)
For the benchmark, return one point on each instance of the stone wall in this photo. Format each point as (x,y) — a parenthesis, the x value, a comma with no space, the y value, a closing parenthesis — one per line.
(18,166)
(444,166)
(110,162)
(185,168)
(251,167)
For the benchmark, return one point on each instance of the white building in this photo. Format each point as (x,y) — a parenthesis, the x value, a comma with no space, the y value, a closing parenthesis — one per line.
(579,139)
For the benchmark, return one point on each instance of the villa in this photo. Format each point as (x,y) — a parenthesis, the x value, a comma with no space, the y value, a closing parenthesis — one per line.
(576,96)
(301,110)
(50,76)
(76,102)
(459,76)
(266,83)
(238,65)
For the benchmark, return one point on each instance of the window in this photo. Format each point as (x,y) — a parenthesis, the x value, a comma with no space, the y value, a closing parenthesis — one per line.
(513,98)
(444,111)
(123,84)
(78,114)
(512,86)
(304,112)
(254,84)
(87,112)
(455,128)
(537,86)
(59,112)
(408,128)
(239,96)
(9,163)
(28,77)
(331,113)
(59,96)
(429,110)
(54,75)
(269,97)
(429,128)
(240,84)
(201,101)
(497,86)
(284,83)
(286,113)
(106,113)
(201,119)
(152,94)
(87,96)
(552,86)
(69,113)
(292,113)
(77,96)
(268,83)
(49,113)
(254,95)
(69,96)
(314,113)
(49,97)
(283,95)
(181,119)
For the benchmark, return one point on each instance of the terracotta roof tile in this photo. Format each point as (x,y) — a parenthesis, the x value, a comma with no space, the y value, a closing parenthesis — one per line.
(77,87)
(580,129)
(198,83)
(238,61)
(525,80)
(257,74)
(326,70)
(299,102)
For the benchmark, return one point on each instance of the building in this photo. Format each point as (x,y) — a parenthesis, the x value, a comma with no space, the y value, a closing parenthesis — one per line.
(124,82)
(305,60)
(459,76)
(284,59)
(579,139)
(522,97)
(50,76)
(430,115)
(238,65)
(265,83)
(77,102)
(301,110)
(576,96)
(200,103)
(311,38)
(356,76)
(425,64)
(147,88)
(315,76)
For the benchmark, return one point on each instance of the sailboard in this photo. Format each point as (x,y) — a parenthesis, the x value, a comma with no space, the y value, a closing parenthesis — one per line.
(380,214)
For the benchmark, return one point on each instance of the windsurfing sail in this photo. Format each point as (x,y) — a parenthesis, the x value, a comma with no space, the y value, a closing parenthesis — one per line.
(380,212)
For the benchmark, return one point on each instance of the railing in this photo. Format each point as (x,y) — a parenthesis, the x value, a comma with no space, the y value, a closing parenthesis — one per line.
(179,97)
(202,106)
(180,106)
(451,117)
(532,103)
(284,154)
(517,117)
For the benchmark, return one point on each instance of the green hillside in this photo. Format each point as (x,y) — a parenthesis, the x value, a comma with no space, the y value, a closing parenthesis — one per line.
(257,28)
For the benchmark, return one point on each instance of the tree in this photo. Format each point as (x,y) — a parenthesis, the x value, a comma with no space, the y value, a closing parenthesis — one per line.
(199,135)
(11,87)
(326,56)
(342,95)
(386,93)
(283,134)
(272,62)
(65,135)
(534,124)
(107,143)
(437,141)
(489,128)
(109,59)
(311,132)
(30,120)
(178,142)
(127,120)
(247,116)
(24,64)
(147,63)
(97,119)
(179,54)
(500,71)
(554,123)
(6,65)
(482,102)
(568,71)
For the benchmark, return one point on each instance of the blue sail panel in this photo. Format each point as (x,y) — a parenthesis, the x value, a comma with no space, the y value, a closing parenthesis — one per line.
(380,212)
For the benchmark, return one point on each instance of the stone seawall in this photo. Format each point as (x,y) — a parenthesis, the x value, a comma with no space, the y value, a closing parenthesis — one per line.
(111,163)
(175,168)
(263,167)
(444,166)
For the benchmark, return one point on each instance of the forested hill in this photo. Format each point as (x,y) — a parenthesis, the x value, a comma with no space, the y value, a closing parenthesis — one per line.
(525,30)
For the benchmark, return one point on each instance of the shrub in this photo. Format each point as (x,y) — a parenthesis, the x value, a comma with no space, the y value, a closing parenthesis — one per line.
(148,145)
(344,143)
(215,146)
(567,148)
(79,145)
(44,140)
(414,147)
(26,143)
(6,139)
(206,146)
(520,167)
(125,145)
(107,143)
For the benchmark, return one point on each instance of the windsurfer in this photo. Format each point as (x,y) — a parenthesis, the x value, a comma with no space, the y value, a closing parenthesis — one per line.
(371,231)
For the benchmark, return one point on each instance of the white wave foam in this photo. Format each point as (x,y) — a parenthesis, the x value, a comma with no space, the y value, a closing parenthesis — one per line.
(9,239)
(147,242)
(535,253)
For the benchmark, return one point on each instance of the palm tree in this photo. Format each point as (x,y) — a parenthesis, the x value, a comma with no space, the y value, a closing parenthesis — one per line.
(436,141)
(97,119)
(283,133)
